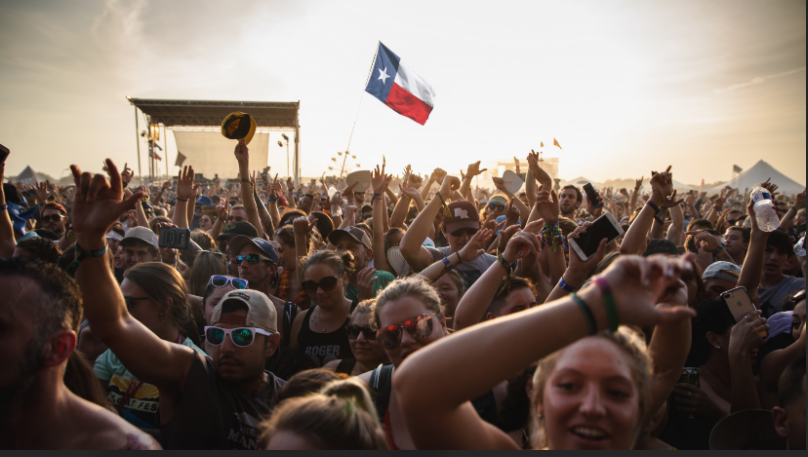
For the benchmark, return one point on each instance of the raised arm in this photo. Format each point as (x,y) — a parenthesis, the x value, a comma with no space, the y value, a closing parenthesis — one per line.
(222,212)
(632,201)
(263,213)
(788,218)
(401,208)
(242,154)
(472,171)
(634,240)
(676,232)
(411,244)
(538,172)
(185,194)
(752,268)
(578,271)
(98,205)
(7,241)
(140,213)
(379,181)
(524,212)
(437,408)
(275,189)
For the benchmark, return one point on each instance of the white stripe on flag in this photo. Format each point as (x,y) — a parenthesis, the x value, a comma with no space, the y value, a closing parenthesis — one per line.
(414,84)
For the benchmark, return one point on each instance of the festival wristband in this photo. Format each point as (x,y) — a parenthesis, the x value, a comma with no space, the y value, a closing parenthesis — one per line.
(653,206)
(3,207)
(70,235)
(447,264)
(587,313)
(717,250)
(71,268)
(608,299)
(272,198)
(562,284)
(182,199)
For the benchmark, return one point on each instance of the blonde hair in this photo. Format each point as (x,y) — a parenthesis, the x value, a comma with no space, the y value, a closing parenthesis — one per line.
(365,307)
(340,416)
(340,263)
(417,287)
(632,343)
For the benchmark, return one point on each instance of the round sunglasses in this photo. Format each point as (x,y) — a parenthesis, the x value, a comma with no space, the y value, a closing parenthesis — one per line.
(221,281)
(354,331)
(419,327)
(327,284)
(241,337)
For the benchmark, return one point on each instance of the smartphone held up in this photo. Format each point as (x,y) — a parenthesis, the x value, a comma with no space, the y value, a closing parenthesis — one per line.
(606,226)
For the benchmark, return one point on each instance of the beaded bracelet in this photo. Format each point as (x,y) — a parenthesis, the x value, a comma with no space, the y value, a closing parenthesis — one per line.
(552,236)
(608,299)
(587,313)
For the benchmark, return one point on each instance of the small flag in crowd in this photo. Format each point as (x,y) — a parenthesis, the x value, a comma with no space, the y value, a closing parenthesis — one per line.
(702,181)
(180,159)
(555,143)
(398,87)
(737,169)
(541,143)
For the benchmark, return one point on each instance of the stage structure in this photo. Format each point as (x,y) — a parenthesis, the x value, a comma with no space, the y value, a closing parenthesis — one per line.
(197,128)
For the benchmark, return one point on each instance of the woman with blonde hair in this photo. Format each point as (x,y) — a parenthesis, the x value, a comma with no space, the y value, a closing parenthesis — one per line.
(592,390)
(341,416)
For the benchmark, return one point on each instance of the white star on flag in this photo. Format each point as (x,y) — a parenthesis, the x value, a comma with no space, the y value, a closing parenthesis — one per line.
(383,75)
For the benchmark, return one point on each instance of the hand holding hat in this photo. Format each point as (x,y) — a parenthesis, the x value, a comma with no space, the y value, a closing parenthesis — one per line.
(239,126)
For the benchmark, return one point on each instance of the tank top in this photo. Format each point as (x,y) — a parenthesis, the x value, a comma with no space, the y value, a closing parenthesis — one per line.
(324,347)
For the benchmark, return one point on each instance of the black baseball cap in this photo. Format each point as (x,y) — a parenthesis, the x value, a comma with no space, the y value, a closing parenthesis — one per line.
(238,242)
(239,228)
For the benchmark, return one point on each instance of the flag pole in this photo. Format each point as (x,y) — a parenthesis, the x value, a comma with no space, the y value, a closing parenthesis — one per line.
(370,71)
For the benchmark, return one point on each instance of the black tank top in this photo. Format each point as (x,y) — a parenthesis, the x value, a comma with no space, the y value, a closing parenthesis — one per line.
(324,347)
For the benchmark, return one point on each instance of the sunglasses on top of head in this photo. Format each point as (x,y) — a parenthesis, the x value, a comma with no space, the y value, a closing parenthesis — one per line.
(419,327)
(241,337)
(252,259)
(327,284)
(354,331)
(221,281)
(468,231)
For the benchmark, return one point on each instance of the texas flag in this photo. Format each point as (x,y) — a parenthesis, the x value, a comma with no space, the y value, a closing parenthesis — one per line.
(398,87)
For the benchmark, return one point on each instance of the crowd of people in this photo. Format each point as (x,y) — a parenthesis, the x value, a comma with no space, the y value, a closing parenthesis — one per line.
(419,313)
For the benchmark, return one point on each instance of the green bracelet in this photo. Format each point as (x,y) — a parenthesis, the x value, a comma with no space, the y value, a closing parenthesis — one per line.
(587,313)
(608,299)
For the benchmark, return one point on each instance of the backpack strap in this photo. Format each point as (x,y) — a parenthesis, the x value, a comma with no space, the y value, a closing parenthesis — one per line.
(289,313)
(381,381)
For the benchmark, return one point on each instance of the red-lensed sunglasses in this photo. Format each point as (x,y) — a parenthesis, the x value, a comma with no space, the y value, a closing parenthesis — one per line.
(419,327)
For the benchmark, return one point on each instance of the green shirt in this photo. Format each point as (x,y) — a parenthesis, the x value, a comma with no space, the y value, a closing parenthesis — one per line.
(383,279)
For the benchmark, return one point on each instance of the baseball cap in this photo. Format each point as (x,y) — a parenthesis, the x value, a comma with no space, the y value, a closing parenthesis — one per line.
(204,200)
(661,247)
(239,228)
(780,241)
(397,261)
(260,311)
(722,270)
(54,206)
(140,233)
(464,215)
(238,242)
(354,232)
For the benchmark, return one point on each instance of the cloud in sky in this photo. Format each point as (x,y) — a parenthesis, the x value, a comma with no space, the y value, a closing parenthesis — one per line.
(758,80)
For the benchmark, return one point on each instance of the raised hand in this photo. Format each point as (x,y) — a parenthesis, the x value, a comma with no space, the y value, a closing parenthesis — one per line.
(671,201)
(242,153)
(591,207)
(799,200)
(222,211)
(499,183)
(547,205)
(43,191)
(415,181)
(275,188)
(127,174)
(475,246)
(745,335)
(408,190)
(524,242)
(579,269)
(364,283)
(303,225)
(638,183)
(490,223)
(167,185)
(97,203)
(722,197)
(378,180)
(474,170)
(663,182)
(450,184)
(185,183)
(437,175)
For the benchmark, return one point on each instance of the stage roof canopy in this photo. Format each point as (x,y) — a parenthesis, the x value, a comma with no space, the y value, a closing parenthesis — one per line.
(209,113)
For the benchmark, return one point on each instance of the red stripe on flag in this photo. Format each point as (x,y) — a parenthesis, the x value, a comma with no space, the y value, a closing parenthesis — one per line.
(408,105)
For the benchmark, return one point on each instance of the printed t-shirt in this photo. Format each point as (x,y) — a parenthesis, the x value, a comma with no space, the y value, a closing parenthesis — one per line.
(384,278)
(212,414)
(142,400)
(469,271)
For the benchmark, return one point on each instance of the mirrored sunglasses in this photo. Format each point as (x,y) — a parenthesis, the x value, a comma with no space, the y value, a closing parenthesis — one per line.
(221,281)
(241,337)
(419,327)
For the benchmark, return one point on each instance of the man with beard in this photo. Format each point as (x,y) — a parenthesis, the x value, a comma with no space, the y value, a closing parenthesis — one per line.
(213,402)
(40,315)
(569,200)
(54,218)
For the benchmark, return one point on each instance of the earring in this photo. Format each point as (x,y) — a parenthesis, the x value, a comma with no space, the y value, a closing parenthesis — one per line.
(717,346)
(539,416)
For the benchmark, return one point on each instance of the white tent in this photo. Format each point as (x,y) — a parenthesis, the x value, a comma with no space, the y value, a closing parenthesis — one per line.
(759,173)
(29,176)
(580,181)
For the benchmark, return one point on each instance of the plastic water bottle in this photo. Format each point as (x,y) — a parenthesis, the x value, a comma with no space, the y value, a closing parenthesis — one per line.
(764,208)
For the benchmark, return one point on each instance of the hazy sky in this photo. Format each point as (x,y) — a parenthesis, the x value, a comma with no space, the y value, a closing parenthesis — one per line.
(625,86)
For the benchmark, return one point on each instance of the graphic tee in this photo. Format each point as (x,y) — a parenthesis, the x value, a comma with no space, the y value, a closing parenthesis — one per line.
(137,402)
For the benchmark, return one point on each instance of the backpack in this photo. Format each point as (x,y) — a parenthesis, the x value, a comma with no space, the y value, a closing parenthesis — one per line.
(381,382)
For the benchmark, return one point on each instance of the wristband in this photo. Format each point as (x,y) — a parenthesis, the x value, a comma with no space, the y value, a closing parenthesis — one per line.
(717,250)
(587,313)
(552,236)
(71,236)
(3,207)
(653,206)
(608,299)
(447,264)
(182,199)
(82,254)
(459,260)
(562,284)
(272,198)
(446,211)
(506,285)
(125,184)
(375,196)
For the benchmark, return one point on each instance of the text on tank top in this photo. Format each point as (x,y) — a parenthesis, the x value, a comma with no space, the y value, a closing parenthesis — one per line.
(324,347)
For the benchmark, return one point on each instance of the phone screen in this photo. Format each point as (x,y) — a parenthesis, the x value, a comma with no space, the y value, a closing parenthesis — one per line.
(600,229)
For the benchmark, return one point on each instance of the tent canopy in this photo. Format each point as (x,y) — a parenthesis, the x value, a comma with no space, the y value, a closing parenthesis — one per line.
(29,176)
(759,173)
(211,112)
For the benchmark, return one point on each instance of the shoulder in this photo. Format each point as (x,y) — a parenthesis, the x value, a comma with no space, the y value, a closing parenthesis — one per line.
(795,283)
(188,343)
(101,429)
(332,365)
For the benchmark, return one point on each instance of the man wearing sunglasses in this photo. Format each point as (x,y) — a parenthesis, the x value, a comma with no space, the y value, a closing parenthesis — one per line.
(239,228)
(458,228)
(356,240)
(257,262)
(54,218)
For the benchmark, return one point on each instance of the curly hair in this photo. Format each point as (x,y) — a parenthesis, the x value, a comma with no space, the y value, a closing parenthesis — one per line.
(41,248)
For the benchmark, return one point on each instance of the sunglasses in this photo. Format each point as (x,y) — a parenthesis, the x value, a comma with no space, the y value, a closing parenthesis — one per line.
(234,218)
(353,332)
(467,231)
(52,217)
(221,281)
(241,337)
(367,216)
(130,301)
(327,284)
(252,259)
(419,327)
(497,207)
